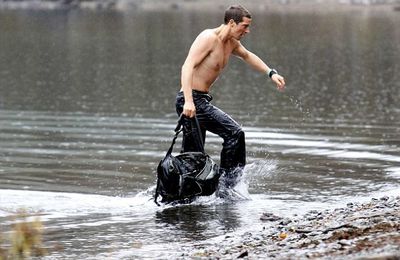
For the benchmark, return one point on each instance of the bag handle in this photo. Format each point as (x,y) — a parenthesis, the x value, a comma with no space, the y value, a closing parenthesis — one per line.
(195,125)
(178,129)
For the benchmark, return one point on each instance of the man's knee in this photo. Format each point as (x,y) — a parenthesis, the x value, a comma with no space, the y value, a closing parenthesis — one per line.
(236,139)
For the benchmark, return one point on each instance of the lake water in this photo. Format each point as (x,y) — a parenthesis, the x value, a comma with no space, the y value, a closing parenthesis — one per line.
(87,111)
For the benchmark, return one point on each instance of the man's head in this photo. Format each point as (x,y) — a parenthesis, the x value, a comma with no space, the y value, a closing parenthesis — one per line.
(236,13)
(239,20)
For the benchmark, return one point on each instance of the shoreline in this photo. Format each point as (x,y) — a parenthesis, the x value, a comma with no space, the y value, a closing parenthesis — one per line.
(368,230)
(255,6)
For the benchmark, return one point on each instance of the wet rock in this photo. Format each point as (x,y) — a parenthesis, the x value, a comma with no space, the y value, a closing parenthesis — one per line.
(315,233)
(344,242)
(283,235)
(303,230)
(311,246)
(243,254)
(281,243)
(270,217)
(248,234)
(385,198)
(285,221)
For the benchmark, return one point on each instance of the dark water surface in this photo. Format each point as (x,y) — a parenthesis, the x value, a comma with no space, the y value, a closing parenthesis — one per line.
(87,111)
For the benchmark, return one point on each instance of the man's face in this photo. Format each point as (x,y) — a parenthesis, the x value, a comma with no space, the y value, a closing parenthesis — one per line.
(241,29)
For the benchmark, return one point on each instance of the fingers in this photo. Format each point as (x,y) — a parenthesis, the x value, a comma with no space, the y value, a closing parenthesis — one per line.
(189,110)
(189,113)
(280,82)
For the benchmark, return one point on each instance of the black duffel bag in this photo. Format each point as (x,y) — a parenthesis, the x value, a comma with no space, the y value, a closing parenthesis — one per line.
(183,177)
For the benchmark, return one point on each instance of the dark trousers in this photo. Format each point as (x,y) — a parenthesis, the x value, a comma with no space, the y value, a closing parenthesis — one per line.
(213,119)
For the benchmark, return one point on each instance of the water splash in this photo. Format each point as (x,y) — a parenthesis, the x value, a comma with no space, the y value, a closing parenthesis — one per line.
(299,106)
(260,168)
(251,172)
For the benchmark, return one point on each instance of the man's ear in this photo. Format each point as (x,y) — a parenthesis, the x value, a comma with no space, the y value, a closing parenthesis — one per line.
(231,22)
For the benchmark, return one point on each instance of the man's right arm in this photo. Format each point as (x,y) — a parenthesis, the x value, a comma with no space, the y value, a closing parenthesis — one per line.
(254,61)
(199,50)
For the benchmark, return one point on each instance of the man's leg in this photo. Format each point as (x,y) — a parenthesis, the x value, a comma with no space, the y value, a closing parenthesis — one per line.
(233,154)
(213,119)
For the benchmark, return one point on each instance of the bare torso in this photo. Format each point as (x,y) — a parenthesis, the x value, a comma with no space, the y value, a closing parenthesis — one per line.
(208,70)
(209,55)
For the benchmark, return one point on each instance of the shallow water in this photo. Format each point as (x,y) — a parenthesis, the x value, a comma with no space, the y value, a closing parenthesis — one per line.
(87,112)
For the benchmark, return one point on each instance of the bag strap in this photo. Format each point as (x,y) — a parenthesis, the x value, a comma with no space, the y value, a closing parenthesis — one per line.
(196,126)
(178,129)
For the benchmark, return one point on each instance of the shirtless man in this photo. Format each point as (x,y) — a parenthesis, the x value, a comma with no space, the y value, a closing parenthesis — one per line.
(207,58)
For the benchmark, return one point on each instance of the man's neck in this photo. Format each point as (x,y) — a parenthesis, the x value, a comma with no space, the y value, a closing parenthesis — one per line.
(223,32)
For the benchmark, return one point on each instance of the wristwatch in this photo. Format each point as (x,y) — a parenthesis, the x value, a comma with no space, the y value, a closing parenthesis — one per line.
(272,72)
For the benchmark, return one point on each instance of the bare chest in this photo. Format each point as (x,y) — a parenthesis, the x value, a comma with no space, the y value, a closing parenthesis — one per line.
(219,56)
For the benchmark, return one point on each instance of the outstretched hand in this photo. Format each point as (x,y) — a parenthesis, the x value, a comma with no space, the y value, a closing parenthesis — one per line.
(279,81)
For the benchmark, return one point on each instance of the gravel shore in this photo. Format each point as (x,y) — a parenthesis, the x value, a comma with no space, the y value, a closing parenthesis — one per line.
(203,5)
(357,231)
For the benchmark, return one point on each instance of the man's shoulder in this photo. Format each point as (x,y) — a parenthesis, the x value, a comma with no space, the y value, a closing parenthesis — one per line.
(208,34)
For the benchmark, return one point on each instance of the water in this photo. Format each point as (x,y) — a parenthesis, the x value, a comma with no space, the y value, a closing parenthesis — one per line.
(87,112)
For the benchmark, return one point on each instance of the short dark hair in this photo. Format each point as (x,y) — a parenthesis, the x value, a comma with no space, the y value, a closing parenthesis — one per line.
(236,12)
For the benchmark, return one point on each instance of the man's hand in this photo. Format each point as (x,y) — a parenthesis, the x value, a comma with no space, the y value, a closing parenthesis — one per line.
(189,109)
(279,81)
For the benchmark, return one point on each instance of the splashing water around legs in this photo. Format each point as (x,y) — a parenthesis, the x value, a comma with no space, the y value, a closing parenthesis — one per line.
(229,183)
(239,191)
(260,168)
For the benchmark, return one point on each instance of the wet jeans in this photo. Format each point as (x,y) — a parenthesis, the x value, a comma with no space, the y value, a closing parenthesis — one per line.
(213,119)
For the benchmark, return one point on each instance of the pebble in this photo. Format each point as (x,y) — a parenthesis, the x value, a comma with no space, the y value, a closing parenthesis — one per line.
(344,242)
(243,254)
(269,217)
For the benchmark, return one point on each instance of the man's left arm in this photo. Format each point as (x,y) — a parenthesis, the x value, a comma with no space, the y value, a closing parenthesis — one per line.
(255,62)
